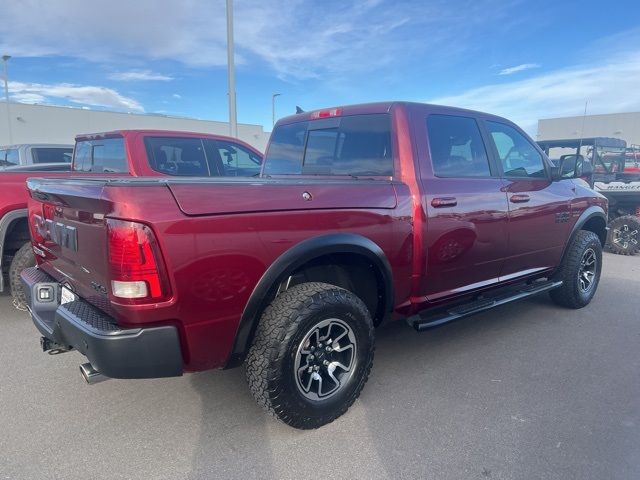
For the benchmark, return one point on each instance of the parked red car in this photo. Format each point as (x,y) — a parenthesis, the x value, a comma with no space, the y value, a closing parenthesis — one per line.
(127,153)
(362,213)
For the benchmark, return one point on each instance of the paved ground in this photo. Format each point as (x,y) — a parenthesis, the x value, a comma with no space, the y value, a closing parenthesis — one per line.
(525,392)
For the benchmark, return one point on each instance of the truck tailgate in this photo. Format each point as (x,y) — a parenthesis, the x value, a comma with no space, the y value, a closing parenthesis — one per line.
(69,228)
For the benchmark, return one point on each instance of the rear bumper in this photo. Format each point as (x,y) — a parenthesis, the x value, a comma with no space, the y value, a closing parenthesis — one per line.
(113,351)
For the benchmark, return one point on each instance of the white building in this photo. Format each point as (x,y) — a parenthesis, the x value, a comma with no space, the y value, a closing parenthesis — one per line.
(53,124)
(625,126)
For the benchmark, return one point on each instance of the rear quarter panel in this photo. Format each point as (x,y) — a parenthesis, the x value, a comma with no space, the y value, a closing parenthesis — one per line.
(215,260)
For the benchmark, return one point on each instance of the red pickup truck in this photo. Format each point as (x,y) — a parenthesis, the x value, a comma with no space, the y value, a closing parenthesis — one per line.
(121,153)
(361,214)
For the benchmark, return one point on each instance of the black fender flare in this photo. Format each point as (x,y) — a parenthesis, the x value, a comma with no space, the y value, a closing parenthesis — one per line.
(291,260)
(594,211)
(5,223)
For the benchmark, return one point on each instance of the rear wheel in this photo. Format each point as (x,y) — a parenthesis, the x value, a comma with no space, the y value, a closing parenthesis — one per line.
(311,355)
(23,258)
(579,271)
(624,235)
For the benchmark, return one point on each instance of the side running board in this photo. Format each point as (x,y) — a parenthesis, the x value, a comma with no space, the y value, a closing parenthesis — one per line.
(429,320)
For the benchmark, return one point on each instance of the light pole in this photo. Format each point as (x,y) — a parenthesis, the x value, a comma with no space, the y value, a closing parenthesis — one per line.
(231,75)
(5,60)
(273,108)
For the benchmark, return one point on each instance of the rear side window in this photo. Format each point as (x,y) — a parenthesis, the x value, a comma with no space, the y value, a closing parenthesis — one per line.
(51,155)
(518,156)
(456,147)
(352,145)
(101,156)
(180,157)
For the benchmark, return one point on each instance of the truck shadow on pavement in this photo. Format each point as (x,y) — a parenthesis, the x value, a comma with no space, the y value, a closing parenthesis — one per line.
(494,395)
(408,382)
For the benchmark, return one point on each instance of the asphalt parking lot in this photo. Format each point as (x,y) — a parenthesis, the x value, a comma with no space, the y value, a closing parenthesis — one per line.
(525,392)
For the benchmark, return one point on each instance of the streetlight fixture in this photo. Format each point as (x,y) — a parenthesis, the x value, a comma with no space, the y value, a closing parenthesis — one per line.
(5,60)
(273,108)
(231,75)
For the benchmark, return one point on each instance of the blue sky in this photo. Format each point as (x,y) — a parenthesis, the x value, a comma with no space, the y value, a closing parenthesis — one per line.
(523,60)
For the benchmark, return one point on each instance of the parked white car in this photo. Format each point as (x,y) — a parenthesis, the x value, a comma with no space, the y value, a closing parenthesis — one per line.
(35,153)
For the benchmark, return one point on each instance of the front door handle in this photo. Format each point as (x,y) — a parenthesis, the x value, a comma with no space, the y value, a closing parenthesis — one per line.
(519,198)
(440,202)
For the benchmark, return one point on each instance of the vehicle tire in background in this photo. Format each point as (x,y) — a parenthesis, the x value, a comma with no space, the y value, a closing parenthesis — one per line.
(311,355)
(579,271)
(23,258)
(624,235)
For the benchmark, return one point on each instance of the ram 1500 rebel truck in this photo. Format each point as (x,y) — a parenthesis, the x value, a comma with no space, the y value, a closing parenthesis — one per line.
(123,153)
(361,214)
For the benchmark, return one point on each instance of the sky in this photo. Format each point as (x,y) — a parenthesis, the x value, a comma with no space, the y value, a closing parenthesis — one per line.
(524,60)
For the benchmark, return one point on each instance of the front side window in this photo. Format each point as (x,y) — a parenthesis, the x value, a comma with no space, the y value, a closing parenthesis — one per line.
(518,156)
(358,145)
(456,146)
(237,161)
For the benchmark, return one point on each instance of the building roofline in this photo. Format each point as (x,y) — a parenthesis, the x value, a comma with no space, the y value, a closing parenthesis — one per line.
(120,112)
(590,115)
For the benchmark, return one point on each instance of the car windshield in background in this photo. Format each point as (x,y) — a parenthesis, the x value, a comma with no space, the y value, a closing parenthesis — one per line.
(201,157)
(358,145)
(51,154)
(105,155)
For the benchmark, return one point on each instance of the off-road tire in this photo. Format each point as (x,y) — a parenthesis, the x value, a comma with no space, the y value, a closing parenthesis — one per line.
(632,224)
(570,294)
(23,258)
(270,364)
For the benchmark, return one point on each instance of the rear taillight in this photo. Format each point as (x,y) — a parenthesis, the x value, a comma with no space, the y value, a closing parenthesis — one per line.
(136,267)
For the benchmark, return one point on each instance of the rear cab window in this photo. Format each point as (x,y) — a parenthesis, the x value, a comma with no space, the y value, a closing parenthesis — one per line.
(355,145)
(107,155)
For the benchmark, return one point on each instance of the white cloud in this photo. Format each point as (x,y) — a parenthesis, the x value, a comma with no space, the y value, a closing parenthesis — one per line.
(177,95)
(140,75)
(295,38)
(518,68)
(80,94)
(610,86)
(28,97)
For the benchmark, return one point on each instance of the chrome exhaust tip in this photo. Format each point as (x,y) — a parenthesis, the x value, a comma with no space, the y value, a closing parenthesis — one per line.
(91,375)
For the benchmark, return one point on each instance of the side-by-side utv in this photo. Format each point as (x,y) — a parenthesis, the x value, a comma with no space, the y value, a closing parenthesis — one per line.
(613,172)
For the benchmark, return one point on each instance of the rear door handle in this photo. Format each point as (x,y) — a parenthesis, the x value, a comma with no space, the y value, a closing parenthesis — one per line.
(519,198)
(440,202)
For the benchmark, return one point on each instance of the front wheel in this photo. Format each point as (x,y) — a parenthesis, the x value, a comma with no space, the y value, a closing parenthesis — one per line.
(624,235)
(579,271)
(311,355)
